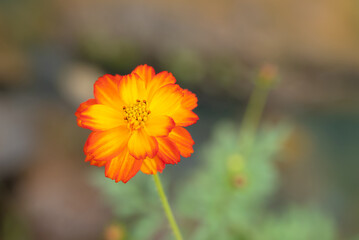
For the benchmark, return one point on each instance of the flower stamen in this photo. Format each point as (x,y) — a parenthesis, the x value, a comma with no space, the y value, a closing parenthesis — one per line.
(136,115)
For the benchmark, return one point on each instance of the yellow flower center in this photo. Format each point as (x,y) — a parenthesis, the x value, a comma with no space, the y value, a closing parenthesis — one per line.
(136,115)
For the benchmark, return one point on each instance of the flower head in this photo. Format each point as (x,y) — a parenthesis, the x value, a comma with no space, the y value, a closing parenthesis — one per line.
(137,123)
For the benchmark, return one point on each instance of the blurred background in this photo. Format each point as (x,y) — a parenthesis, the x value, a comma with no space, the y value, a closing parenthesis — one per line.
(299,181)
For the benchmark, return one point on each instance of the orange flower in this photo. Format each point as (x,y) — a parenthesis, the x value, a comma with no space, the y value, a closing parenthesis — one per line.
(138,123)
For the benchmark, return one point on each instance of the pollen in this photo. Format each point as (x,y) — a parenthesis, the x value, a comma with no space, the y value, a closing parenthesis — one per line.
(136,115)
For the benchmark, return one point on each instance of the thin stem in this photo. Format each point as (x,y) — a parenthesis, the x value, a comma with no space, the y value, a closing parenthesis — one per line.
(253,112)
(255,108)
(167,208)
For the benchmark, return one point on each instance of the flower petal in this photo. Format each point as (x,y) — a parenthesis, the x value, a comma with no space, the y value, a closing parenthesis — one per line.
(90,158)
(106,91)
(105,145)
(184,117)
(152,165)
(98,163)
(131,88)
(168,151)
(166,100)
(101,117)
(123,167)
(81,108)
(159,125)
(145,72)
(159,80)
(182,138)
(142,145)
(189,100)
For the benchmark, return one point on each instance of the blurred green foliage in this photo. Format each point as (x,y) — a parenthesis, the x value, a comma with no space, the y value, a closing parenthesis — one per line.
(227,197)
(113,55)
(187,64)
(13,227)
(231,191)
(135,204)
(297,224)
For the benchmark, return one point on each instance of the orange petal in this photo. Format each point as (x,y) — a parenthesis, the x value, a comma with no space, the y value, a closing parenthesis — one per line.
(182,138)
(81,108)
(166,100)
(132,88)
(184,117)
(107,144)
(152,165)
(159,125)
(159,80)
(106,91)
(123,167)
(90,158)
(189,100)
(145,72)
(98,163)
(101,117)
(141,145)
(168,151)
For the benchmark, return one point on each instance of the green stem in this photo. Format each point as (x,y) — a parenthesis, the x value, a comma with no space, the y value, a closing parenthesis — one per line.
(167,208)
(252,117)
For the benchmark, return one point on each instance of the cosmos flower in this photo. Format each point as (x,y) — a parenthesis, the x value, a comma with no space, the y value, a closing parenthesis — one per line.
(137,123)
